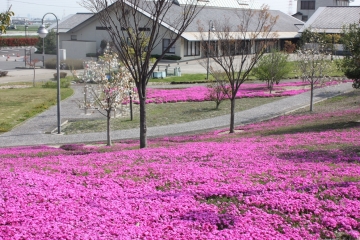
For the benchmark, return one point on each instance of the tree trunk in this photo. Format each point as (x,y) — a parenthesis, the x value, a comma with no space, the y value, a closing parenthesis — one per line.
(232,115)
(311,95)
(143,129)
(34,77)
(108,137)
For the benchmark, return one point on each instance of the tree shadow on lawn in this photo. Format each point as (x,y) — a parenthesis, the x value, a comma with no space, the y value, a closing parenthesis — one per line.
(317,127)
(197,110)
(347,155)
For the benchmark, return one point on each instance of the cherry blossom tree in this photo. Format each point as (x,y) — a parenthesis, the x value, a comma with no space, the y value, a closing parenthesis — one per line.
(112,89)
(314,61)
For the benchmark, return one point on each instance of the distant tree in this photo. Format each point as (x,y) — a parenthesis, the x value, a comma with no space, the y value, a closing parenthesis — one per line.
(240,43)
(272,68)
(350,64)
(313,61)
(5,20)
(49,43)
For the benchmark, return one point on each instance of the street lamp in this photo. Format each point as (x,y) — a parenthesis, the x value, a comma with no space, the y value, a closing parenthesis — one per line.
(42,33)
(211,28)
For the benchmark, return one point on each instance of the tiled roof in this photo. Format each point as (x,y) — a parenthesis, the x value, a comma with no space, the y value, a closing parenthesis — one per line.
(285,22)
(225,3)
(332,19)
(71,21)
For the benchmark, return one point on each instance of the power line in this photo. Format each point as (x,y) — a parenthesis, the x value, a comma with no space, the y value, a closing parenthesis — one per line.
(43,4)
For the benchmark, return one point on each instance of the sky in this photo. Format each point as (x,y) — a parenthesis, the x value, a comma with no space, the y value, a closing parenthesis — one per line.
(62,8)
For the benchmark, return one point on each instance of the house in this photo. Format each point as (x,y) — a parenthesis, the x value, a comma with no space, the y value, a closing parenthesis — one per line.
(82,33)
(306,8)
(332,19)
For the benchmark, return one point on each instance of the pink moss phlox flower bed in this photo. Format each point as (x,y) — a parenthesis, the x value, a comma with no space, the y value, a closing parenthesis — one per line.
(207,186)
(248,90)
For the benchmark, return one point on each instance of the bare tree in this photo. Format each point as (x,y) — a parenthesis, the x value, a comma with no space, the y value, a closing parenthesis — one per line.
(136,28)
(313,60)
(32,63)
(239,46)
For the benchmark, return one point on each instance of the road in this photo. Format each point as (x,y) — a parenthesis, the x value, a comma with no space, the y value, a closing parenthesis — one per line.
(11,58)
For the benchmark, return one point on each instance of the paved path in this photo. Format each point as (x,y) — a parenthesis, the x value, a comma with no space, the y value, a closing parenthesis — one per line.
(32,132)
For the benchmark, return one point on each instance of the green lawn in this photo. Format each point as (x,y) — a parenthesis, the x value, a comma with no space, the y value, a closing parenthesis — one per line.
(198,78)
(19,104)
(184,78)
(163,114)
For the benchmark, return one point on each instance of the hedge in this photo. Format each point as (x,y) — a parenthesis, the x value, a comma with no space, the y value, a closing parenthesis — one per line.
(16,42)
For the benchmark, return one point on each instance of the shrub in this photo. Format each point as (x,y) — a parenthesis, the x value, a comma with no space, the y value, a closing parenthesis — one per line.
(64,83)
(289,47)
(62,75)
(103,44)
(91,55)
(3,73)
(68,64)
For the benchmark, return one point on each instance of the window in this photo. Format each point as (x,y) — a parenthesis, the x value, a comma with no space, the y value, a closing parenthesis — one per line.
(308,5)
(191,48)
(73,37)
(166,43)
(342,3)
(304,18)
(144,29)
(103,28)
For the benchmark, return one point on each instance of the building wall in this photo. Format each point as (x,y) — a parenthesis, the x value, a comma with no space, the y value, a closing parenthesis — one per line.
(78,49)
(90,33)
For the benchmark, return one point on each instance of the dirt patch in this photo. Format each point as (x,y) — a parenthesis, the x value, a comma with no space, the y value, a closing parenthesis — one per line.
(227,132)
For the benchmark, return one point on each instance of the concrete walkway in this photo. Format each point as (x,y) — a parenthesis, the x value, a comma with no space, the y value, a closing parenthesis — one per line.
(32,132)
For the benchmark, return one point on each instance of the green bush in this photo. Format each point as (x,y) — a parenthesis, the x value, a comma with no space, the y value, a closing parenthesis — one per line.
(68,64)
(64,83)
(62,75)
(91,55)
(167,57)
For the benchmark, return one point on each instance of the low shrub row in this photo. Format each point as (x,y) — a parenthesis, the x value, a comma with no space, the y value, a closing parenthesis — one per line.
(92,55)
(68,64)
(16,42)
(64,83)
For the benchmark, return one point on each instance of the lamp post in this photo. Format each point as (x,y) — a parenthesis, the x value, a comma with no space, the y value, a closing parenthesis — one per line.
(43,53)
(211,28)
(26,28)
(42,33)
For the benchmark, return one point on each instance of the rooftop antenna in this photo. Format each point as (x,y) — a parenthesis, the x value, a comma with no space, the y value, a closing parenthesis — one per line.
(290,7)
